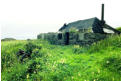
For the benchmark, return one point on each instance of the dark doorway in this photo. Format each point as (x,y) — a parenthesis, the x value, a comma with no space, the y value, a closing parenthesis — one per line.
(59,36)
(67,38)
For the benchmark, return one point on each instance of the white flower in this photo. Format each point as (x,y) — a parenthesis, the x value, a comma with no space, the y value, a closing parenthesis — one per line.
(107,62)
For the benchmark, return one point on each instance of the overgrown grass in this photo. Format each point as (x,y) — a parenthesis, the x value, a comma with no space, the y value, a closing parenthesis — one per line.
(119,28)
(99,62)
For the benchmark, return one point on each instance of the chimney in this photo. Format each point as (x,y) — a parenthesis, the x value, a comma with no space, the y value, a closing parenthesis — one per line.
(102,15)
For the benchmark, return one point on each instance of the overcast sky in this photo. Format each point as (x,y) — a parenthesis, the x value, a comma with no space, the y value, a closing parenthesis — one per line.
(23,19)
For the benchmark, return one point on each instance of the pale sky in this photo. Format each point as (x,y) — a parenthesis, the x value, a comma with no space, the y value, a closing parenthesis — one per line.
(23,19)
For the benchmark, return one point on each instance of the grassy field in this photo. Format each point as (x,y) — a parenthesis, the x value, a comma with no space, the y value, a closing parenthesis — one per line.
(99,62)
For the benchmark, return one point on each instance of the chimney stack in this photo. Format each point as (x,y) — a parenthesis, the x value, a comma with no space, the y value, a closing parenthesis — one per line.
(102,15)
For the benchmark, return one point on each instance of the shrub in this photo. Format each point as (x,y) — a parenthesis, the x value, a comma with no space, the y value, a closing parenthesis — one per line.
(29,47)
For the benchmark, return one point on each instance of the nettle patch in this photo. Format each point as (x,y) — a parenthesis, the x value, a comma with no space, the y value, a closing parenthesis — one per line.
(30,49)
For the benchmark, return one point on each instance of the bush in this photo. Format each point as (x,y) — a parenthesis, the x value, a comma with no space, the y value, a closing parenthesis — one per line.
(29,47)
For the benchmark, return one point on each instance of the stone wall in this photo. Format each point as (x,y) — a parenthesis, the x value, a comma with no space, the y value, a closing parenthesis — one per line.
(74,38)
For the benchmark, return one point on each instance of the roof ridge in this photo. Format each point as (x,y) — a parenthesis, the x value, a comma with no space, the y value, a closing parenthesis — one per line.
(83,20)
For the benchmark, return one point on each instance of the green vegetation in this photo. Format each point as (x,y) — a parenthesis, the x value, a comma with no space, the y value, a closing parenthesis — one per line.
(119,28)
(99,62)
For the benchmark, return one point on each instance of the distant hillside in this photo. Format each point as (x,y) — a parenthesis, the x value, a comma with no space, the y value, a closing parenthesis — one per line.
(98,62)
(8,39)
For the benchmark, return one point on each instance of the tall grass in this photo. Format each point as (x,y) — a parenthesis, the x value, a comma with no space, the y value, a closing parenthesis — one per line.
(8,53)
(98,62)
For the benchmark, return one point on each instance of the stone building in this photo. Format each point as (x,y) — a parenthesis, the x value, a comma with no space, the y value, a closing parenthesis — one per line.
(92,25)
(81,32)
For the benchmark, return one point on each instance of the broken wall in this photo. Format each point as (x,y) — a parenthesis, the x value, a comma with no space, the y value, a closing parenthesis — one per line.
(74,38)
